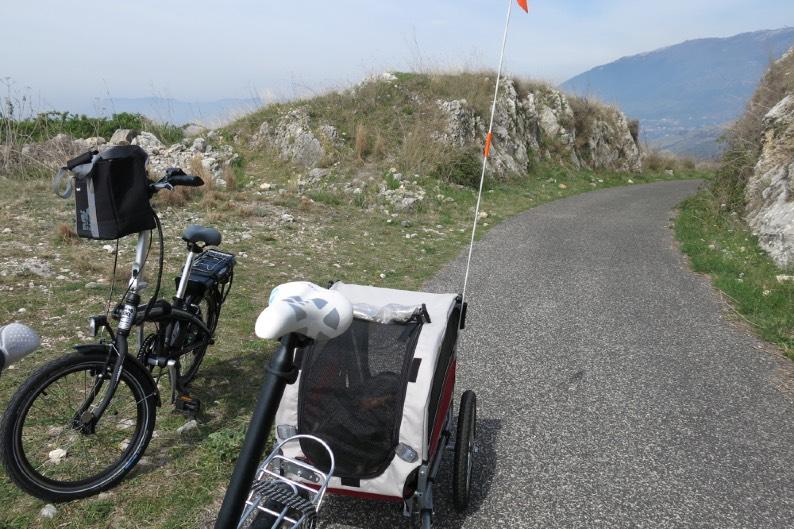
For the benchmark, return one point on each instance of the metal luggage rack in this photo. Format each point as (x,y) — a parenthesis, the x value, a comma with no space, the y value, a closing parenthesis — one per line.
(281,489)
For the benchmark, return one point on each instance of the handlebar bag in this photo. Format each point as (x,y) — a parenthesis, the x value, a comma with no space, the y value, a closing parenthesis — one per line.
(112,194)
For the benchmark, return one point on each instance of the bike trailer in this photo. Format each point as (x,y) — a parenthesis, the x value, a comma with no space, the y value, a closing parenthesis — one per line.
(379,395)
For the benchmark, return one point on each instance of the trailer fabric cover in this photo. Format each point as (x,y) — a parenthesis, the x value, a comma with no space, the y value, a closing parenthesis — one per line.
(414,427)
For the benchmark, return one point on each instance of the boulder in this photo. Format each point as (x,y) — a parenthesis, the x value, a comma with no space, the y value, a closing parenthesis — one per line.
(123,136)
(199,145)
(149,143)
(293,138)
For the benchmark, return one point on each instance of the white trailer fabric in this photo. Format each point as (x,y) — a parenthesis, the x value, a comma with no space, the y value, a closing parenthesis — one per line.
(414,427)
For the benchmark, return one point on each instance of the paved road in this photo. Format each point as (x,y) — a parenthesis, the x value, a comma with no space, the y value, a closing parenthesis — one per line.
(612,390)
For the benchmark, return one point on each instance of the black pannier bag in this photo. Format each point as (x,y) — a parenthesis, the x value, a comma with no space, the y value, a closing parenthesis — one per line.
(112,193)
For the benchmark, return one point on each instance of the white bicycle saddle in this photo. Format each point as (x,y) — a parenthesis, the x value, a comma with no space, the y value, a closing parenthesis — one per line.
(304,308)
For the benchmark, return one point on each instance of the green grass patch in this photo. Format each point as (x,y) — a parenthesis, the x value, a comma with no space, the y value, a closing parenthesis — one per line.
(339,236)
(720,244)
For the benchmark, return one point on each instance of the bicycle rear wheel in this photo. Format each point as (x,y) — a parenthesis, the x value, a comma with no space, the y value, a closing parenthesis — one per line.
(205,307)
(46,450)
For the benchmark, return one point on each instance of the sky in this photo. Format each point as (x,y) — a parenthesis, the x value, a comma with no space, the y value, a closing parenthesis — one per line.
(66,54)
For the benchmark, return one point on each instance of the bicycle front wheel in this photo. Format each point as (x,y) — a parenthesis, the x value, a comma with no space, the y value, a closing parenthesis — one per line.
(46,449)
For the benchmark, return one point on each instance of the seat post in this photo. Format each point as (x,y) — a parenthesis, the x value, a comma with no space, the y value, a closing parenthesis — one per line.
(192,251)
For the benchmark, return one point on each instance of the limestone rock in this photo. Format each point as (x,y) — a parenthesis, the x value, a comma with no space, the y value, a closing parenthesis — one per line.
(770,190)
(292,136)
(87,144)
(123,137)
(540,125)
(149,143)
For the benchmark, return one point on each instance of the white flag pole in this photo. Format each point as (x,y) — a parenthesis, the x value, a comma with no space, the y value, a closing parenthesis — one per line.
(487,151)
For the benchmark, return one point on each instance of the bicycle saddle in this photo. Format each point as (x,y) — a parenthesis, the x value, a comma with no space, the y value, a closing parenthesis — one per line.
(16,341)
(304,308)
(195,233)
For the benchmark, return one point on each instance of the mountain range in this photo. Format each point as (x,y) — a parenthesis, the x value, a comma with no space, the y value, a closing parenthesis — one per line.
(685,95)
(169,110)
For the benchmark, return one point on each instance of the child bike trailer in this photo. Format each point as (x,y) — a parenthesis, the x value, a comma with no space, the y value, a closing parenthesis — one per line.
(380,397)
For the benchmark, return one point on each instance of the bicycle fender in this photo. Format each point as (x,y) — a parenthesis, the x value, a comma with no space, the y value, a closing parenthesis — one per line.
(105,348)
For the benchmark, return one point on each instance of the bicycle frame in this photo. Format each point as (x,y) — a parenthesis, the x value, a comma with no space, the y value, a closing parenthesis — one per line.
(87,416)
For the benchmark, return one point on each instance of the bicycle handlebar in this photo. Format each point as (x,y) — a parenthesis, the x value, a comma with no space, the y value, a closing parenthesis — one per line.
(175,177)
(185,180)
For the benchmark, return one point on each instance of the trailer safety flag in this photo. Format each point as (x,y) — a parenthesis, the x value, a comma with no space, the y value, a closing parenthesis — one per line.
(523,4)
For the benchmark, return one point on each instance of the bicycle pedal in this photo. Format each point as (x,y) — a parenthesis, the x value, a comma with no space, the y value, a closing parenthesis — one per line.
(187,404)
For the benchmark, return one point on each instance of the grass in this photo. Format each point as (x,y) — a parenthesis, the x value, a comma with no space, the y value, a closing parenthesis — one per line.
(335,235)
(720,244)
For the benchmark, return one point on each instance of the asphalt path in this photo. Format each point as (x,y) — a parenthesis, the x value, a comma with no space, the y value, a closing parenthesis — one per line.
(614,388)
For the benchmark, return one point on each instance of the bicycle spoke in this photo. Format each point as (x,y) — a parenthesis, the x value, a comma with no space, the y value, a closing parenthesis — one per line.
(57,449)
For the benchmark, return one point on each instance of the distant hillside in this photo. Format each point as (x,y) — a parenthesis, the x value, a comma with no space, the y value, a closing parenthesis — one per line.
(167,110)
(678,91)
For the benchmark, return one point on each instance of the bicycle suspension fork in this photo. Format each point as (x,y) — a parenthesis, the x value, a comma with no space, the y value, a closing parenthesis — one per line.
(87,416)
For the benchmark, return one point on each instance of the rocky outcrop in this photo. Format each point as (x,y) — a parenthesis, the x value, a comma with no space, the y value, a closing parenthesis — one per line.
(541,125)
(186,154)
(770,190)
(534,123)
(292,136)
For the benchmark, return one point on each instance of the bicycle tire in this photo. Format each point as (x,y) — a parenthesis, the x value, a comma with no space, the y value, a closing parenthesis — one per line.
(12,450)
(464,451)
(209,315)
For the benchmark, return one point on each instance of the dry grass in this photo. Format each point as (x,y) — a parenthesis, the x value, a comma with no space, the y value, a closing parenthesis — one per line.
(660,161)
(230,178)
(362,142)
(65,233)
(198,169)
(178,197)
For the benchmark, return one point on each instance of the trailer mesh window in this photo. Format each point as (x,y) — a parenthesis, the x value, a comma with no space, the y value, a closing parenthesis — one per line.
(351,395)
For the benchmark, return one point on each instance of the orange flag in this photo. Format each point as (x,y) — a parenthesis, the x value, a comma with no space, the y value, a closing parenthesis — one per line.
(523,4)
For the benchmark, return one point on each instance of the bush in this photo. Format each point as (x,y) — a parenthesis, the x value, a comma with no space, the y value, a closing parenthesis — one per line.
(46,125)
(464,169)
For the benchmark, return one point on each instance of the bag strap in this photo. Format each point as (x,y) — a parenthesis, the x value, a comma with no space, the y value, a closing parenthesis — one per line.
(58,179)
(58,187)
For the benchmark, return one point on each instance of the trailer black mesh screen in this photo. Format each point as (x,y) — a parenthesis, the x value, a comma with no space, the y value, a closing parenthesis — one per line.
(351,396)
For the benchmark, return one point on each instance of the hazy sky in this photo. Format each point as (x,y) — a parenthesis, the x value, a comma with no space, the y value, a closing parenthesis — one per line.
(69,52)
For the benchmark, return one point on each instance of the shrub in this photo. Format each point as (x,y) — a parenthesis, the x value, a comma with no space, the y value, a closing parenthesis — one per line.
(463,168)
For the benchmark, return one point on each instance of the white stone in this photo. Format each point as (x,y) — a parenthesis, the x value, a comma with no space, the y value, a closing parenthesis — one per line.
(56,456)
(48,511)
(188,426)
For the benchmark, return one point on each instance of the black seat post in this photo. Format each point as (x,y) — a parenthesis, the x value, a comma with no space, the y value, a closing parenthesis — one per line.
(280,373)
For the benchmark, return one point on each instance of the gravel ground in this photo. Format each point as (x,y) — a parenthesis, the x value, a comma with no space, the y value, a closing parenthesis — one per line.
(613,390)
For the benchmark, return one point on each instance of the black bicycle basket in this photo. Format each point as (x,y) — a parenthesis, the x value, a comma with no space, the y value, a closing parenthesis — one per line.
(112,194)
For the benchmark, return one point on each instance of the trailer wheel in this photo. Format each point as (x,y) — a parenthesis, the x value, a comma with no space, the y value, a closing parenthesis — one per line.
(464,451)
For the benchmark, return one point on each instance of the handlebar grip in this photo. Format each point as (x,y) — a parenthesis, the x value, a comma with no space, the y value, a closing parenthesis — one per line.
(86,157)
(185,180)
